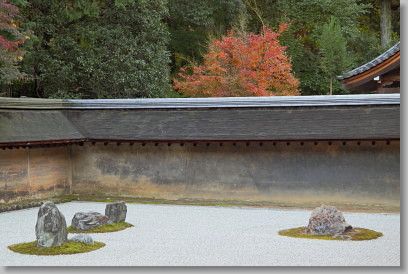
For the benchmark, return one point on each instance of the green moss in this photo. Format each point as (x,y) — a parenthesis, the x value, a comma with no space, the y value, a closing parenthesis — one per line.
(67,248)
(102,229)
(362,234)
(356,234)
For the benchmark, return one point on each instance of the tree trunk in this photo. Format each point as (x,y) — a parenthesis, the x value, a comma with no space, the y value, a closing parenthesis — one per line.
(386,26)
(331,86)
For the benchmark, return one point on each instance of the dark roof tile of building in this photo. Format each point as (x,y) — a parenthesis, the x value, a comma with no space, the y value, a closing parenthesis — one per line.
(375,62)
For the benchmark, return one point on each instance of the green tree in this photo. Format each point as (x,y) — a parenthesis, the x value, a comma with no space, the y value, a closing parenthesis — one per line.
(333,50)
(192,24)
(305,19)
(97,49)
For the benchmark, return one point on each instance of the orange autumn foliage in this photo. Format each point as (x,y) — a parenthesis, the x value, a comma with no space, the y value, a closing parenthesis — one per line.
(241,65)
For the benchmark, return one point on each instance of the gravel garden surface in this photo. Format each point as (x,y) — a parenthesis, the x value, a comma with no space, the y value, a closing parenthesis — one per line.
(173,235)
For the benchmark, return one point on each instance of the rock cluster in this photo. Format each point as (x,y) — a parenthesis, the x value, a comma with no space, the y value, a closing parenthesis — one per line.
(51,228)
(89,220)
(327,220)
(116,212)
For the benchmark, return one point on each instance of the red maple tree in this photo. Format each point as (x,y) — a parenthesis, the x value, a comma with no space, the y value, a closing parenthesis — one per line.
(8,27)
(241,65)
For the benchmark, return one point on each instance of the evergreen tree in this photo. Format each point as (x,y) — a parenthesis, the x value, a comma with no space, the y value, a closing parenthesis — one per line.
(192,24)
(97,49)
(333,50)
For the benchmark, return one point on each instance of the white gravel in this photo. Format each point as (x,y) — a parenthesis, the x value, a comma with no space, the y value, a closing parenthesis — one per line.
(170,235)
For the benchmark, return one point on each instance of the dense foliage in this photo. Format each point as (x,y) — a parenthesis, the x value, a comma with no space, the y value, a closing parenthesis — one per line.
(97,49)
(241,65)
(360,26)
(11,39)
(192,23)
(135,48)
(333,50)
(307,18)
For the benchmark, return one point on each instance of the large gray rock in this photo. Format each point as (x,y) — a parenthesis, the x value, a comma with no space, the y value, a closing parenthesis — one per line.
(82,238)
(327,220)
(116,212)
(51,228)
(88,220)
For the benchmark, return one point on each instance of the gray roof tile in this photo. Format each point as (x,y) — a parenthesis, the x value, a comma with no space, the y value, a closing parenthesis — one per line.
(378,60)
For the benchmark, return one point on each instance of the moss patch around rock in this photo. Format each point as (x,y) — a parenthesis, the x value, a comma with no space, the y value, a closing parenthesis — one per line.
(102,229)
(355,234)
(67,248)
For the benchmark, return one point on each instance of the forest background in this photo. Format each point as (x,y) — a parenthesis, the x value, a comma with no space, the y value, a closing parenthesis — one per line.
(141,48)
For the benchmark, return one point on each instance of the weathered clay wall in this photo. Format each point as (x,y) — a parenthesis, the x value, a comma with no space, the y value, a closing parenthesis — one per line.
(34,172)
(287,173)
(298,173)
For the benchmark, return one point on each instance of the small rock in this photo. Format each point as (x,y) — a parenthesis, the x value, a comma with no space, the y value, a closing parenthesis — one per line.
(116,212)
(327,220)
(88,220)
(51,228)
(82,238)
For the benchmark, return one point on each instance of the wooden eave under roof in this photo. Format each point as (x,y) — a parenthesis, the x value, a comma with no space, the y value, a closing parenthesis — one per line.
(361,79)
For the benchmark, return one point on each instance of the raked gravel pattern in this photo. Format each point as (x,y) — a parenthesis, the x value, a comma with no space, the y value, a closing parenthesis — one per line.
(172,235)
